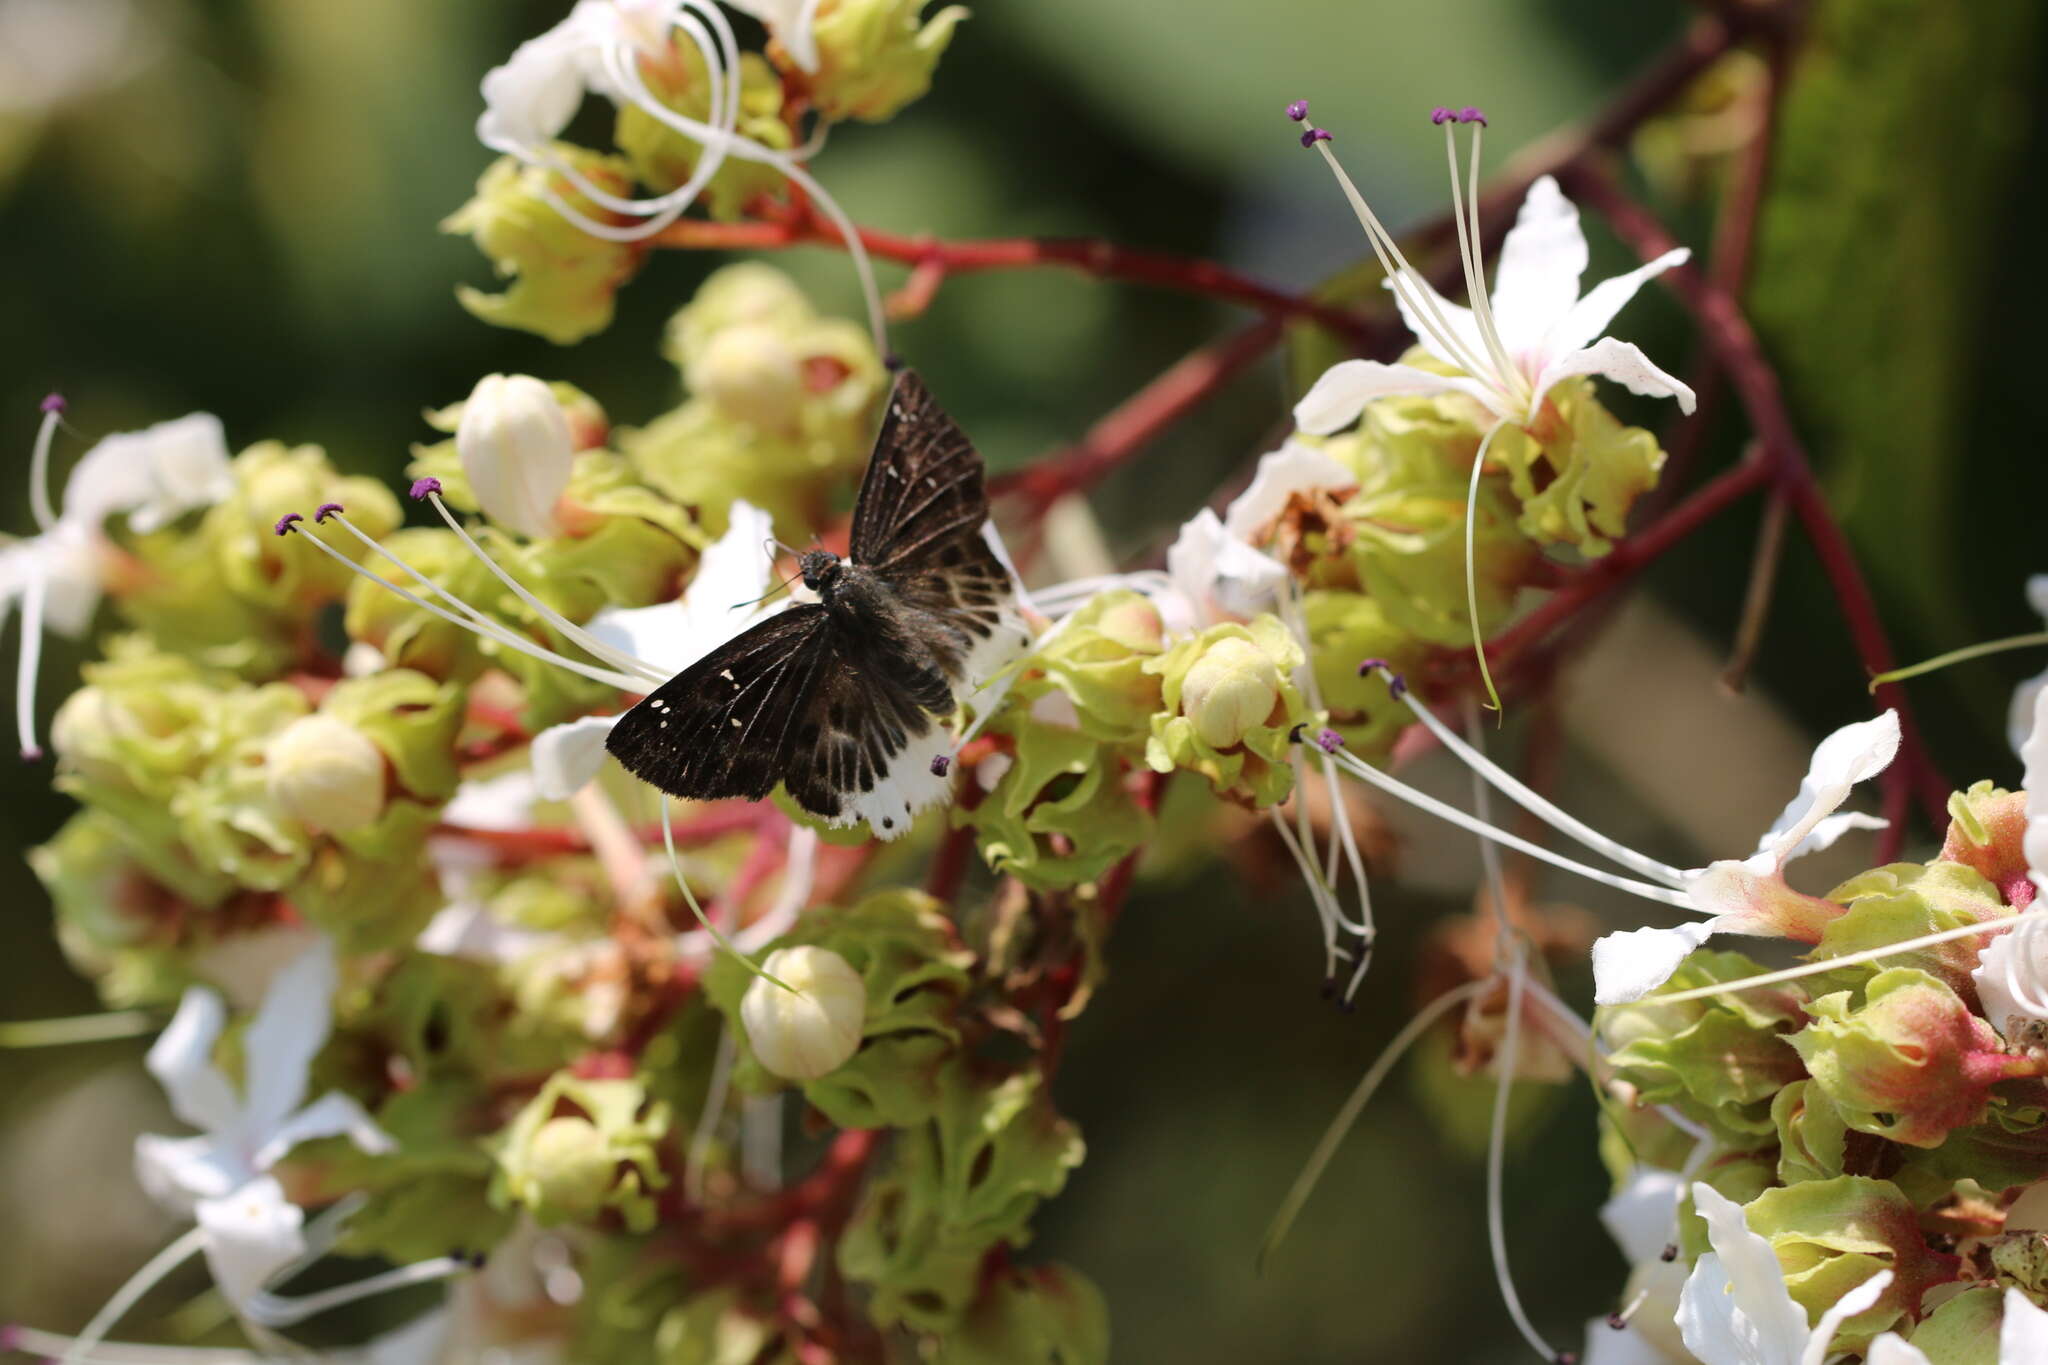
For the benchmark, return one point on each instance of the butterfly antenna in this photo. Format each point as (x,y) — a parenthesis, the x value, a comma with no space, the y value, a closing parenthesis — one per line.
(756,601)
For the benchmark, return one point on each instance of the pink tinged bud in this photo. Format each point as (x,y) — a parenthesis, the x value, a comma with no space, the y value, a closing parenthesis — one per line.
(516,451)
(809,1029)
(1987,833)
(1911,1064)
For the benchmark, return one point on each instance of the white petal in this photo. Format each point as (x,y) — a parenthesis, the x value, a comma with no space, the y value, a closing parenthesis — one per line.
(1826,831)
(501,802)
(2016,958)
(1735,1307)
(287,1033)
(2034,755)
(1293,468)
(1463,327)
(2037,594)
(2023,1339)
(156,474)
(1340,395)
(1537,281)
(178,1172)
(332,1115)
(1643,1214)
(251,1234)
(1628,966)
(567,758)
(532,97)
(2019,714)
(1850,755)
(1893,1349)
(471,931)
(1220,574)
(425,1340)
(1605,1346)
(1589,318)
(67,560)
(790,21)
(733,572)
(181,1059)
(1839,1312)
(1620,361)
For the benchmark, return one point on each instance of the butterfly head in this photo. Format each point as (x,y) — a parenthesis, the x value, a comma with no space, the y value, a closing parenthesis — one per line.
(821,569)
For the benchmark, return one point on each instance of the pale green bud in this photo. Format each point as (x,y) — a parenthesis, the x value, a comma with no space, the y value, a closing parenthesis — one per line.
(326,773)
(734,296)
(811,1028)
(752,374)
(1229,689)
(569,1168)
(516,450)
(875,56)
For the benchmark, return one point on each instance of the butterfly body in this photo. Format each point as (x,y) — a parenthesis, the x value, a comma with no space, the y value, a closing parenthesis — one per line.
(842,700)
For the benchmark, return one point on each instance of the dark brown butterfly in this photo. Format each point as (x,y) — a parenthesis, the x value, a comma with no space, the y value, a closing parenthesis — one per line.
(841,700)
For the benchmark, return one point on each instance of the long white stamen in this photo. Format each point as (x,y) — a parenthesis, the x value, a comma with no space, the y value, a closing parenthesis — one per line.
(39,504)
(617,658)
(1472,566)
(478,621)
(489,630)
(706,1132)
(129,1294)
(1533,802)
(1620,1320)
(54,1345)
(277,1310)
(29,665)
(1469,257)
(78,1028)
(675,863)
(1828,964)
(1326,1148)
(1443,811)
(1496,1155)
(1308,875)
(1402,279)
(1489,856)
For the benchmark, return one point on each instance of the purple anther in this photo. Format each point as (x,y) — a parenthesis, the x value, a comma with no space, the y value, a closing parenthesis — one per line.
(326,510)
(1471,114)
(1329,741)
(1617,1322)
(10,1336)
(941,764)
(423,488)
(1294,734)
(1366,666)
(1313,136)
(54,403)
(1298,110)
(1441,115)
(1669,1253)
(1397,686)
(32,754)
(288,523)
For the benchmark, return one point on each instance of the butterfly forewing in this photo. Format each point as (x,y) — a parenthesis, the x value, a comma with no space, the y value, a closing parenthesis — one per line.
(841,702)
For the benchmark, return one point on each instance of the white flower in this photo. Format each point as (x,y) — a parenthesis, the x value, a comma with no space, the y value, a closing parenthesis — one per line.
(155,476)
(1736,1310)
(516,451)
(1509,351)
(1749,895)
(721,601)
(1642,1218)
(790,21)
(812,1027)
(2019,719)
(2012,973)
(220,1176)
(2022,1338)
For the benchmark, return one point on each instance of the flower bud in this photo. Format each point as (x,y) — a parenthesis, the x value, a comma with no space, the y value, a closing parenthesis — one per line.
(515,447)
(326,773)
(811,1028)
(569,1167)
(1912,1063)
(875,56)
(1228,690)
(752,374)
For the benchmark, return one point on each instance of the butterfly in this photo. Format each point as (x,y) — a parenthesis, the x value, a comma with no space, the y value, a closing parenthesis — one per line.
(841,700)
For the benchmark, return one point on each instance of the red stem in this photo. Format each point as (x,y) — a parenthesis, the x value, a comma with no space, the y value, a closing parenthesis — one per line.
(1734,344)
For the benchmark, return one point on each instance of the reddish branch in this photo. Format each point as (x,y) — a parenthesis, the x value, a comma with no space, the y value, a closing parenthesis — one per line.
(1734,345)
(932,260)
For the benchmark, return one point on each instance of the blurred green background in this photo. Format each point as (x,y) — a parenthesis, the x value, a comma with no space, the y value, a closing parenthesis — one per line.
(234,209)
